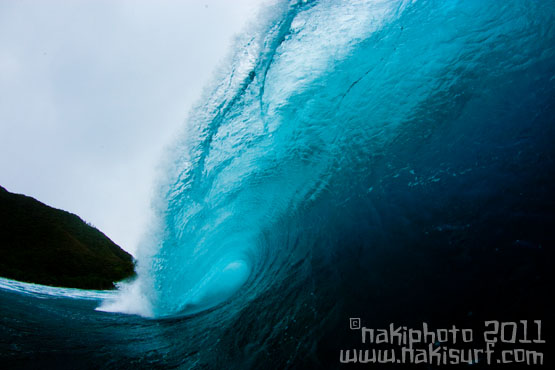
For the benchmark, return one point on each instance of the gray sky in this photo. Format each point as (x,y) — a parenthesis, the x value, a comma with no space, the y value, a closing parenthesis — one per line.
(92,91)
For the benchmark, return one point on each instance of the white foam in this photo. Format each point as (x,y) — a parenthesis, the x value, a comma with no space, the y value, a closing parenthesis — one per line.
(130,299)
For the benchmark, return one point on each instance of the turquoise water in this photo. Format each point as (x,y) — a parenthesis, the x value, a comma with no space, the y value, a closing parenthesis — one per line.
(390,160)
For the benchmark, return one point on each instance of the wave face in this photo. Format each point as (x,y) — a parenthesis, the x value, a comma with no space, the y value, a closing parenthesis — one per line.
(341,113)
(350,154)
(267,143)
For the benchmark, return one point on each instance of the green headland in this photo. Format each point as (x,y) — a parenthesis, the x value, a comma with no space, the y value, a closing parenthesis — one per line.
(44,245)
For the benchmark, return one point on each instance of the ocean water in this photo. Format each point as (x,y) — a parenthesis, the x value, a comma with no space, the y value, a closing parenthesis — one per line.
(386,160)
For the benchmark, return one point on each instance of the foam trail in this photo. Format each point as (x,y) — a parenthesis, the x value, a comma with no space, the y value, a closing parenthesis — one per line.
(44,291)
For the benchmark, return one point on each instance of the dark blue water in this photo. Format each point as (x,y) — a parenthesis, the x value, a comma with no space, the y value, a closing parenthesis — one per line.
(388,160)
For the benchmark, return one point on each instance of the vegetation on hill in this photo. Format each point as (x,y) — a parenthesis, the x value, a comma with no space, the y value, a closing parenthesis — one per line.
(44,245)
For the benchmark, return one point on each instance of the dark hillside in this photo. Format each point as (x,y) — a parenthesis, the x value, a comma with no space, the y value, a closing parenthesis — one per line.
(44,245)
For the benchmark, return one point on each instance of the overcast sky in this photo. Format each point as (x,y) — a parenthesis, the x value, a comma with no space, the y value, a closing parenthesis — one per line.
(92,91)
